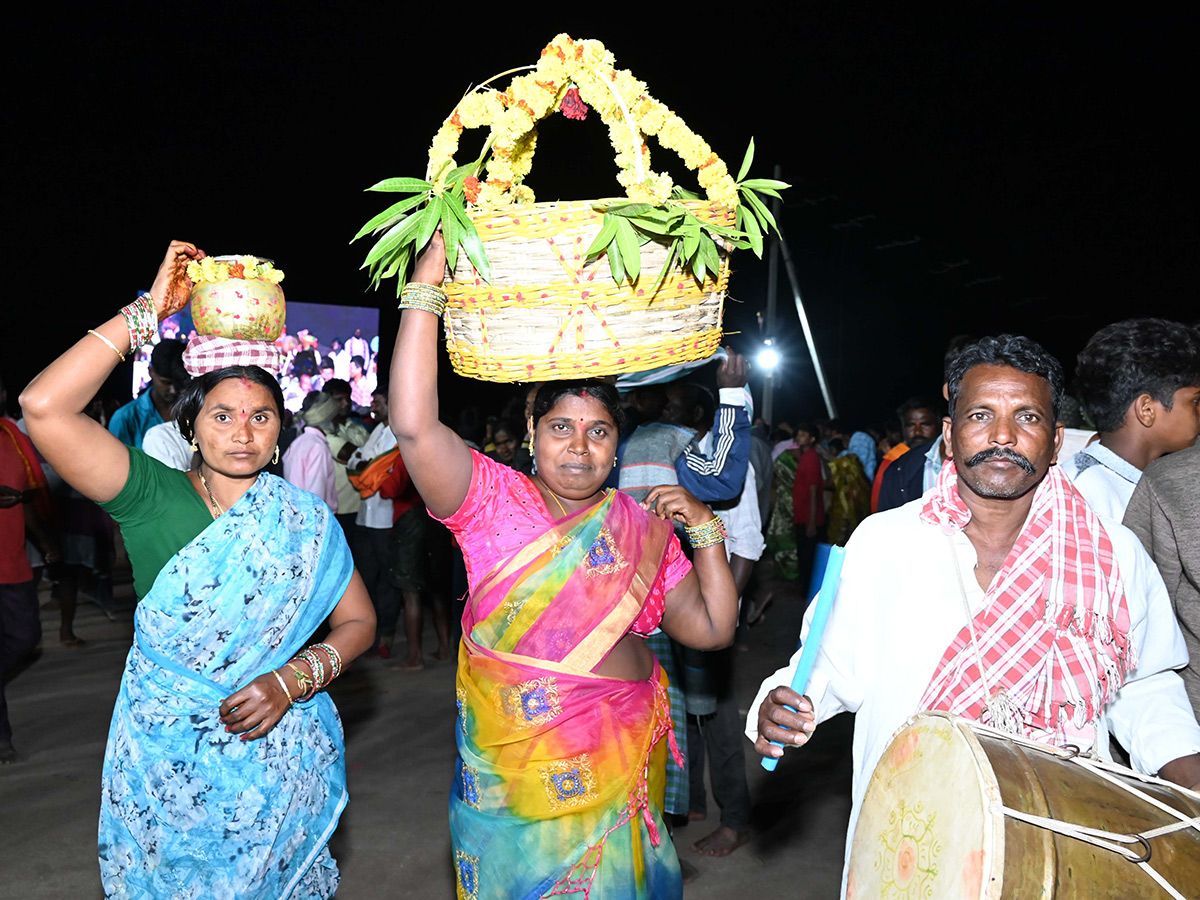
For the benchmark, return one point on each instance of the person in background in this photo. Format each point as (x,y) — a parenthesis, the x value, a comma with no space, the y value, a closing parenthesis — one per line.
(851,501)
(506,437)
(920,424)
(1164,512)
(857,443)
(417,562)
(154,405)
(357,346)
(373,526)
(346,423)
(781,527)
(1139,382)
(308,463)
(713,723)
(20,622)
(808,501)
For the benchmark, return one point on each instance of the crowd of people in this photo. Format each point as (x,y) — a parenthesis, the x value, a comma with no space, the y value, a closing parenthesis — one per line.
(589,557)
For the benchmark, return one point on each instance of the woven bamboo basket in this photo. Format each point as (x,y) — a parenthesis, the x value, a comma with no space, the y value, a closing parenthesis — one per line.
(549,316)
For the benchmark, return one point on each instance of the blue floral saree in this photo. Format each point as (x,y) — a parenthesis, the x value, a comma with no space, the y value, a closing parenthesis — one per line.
(189,810)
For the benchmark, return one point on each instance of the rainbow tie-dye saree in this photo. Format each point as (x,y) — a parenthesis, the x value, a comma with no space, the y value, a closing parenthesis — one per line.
(560,779)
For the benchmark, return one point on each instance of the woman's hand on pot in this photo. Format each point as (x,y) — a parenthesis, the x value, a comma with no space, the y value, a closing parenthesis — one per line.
(255,709)
(670,501)
(172,288)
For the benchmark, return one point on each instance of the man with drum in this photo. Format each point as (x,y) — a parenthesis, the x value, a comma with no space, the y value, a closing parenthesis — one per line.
(1068,618)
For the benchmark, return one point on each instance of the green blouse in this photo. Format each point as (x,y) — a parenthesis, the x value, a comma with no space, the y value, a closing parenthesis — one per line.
(159,512)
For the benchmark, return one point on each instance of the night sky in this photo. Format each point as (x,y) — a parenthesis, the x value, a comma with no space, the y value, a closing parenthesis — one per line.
(954,172)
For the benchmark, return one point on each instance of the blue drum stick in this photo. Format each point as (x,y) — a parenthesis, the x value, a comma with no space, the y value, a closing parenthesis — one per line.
(808,656)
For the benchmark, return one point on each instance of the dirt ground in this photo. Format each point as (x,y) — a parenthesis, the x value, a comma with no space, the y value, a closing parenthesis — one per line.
(393,840)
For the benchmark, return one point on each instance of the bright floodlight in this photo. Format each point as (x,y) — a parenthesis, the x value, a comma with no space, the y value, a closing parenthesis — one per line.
(768,359)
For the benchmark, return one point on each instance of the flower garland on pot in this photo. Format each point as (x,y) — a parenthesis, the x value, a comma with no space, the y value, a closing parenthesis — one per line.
(570,76)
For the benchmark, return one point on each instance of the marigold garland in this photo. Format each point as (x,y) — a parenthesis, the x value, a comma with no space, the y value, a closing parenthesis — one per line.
(587,66)
(211,270)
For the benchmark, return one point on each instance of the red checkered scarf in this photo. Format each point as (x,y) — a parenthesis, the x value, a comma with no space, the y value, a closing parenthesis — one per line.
(207,353)
(1054,629)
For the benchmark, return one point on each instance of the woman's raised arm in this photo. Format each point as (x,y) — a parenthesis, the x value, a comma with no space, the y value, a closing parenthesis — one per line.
(80,449)
(437,459)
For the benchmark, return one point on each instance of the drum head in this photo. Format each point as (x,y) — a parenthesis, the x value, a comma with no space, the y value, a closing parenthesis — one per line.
(926,829)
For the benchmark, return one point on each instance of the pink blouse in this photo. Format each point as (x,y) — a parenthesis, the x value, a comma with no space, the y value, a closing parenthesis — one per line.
(503,511)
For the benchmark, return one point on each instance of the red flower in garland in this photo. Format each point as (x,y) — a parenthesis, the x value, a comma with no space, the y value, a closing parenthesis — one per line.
(237,270)
(572,105)
(471,187)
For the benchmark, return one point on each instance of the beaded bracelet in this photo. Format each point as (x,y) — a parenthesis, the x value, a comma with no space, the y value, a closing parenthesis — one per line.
(706,535)
(314,663)
(428,297)
(335,659)
(307,686)
(283,684)
(141,320)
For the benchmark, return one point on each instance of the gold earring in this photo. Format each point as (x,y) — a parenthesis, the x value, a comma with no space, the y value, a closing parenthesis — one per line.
(276,454)
(194,448)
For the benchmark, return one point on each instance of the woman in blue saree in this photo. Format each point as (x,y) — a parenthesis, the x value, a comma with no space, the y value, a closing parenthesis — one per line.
(224,775)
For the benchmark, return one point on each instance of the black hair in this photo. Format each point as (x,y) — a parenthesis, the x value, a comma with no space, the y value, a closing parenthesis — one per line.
(1134,357)
(934,406)
(336,386)
(836,446)
(697,395)
(552,391)
(358,361)
(510,426)
(808,428)
(166,359)
(191,398)
(1012,350)
(957,345)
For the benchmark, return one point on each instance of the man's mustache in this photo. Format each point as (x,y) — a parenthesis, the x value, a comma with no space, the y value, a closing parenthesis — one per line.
(1001,453)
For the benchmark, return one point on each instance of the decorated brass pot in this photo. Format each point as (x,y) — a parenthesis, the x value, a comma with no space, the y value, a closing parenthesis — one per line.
(236,306)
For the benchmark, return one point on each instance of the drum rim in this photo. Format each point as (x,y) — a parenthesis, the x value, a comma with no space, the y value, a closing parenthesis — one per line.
(991,885)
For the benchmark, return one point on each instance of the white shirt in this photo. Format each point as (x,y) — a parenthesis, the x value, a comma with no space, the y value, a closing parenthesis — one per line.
(1104,478)
(899,606)
(375,512)
(743,524)
(166,444)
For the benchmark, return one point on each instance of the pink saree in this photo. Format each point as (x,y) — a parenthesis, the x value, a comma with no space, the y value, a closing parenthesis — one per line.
(561,772)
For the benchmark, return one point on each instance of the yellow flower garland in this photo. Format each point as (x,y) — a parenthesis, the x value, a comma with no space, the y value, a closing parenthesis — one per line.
(210,270)
(586,65)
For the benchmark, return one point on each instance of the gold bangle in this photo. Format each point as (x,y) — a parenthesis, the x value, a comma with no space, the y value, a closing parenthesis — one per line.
(283,685)
(709,534)
(112,346)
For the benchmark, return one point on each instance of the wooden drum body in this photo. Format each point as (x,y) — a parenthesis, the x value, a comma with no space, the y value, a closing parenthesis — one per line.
(933,823)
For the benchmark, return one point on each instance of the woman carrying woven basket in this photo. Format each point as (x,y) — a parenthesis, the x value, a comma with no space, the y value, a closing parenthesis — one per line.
(564,723)
(215,784)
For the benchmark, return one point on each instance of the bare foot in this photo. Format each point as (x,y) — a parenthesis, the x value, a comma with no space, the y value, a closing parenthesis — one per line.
(689,872)
(695,816)
(70,641)
(721,842)
(443,653)
(410,665)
